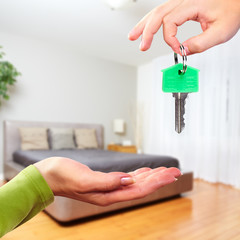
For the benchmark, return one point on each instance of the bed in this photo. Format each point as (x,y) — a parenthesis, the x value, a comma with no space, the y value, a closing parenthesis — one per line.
(65,209)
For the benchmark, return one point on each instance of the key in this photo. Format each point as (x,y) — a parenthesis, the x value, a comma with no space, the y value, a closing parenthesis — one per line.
(180,80)
(180,100)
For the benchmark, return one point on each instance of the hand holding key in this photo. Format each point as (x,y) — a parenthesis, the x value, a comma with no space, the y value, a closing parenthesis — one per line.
(219,21)
(180,80)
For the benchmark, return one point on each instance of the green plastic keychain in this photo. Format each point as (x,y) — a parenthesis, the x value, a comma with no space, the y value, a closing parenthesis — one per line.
(180,77)
(180,80)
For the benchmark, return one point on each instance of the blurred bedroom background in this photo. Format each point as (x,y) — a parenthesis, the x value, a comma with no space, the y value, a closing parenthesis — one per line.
(78,65)
(79,69)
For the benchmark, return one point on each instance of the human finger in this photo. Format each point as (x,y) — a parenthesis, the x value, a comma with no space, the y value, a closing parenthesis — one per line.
(176,18)
(151,27)
(214,35)
(158,169)
(142,173)
(139,170)
(103,182)
(157,180)
(143,176)
(138,190)
(136,32)
(172,170)
(154,22)
(144,185)
(112,180)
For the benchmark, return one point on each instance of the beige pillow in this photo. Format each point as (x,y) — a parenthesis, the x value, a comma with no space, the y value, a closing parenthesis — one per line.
(85,138)
(34,138)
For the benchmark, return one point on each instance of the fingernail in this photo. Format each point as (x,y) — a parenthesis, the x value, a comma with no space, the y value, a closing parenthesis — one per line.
(187,50)
(127,181)
(176,179)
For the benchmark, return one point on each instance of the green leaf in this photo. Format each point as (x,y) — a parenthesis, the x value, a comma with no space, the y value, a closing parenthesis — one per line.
(6,97)
(8,75)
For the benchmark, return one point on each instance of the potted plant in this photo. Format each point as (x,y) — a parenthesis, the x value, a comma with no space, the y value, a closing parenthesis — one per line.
(8,75)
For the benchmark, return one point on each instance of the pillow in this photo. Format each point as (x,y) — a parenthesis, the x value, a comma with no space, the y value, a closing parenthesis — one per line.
(33,138)
(61,138)
(86,138)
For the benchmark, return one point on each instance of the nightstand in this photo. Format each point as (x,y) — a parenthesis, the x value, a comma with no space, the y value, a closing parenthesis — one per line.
(120,148)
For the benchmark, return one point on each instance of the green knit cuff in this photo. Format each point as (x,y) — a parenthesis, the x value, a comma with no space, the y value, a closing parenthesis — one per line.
(40,185)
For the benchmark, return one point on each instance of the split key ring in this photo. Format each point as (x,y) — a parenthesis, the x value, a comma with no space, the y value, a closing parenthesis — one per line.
(184,57)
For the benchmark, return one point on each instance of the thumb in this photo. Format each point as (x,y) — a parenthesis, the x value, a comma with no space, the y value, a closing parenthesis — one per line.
(111,181)
(214,35)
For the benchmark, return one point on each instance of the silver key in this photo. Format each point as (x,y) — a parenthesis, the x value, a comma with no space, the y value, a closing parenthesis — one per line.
(180,100)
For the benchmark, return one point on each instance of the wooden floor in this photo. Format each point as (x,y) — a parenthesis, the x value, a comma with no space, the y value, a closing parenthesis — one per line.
(210,211)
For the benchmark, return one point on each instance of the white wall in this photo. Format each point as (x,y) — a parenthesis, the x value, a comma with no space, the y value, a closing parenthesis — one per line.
(144,101)
(61,84)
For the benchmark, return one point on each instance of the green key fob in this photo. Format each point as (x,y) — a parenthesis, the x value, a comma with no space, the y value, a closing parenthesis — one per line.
(175,81)
(180,80)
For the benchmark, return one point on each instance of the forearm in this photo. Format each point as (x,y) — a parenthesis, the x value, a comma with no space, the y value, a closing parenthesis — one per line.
(22,198)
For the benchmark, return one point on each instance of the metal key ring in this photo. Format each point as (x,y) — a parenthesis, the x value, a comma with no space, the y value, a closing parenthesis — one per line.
(184,57)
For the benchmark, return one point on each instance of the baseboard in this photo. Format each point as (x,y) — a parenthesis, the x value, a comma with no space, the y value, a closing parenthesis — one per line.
(1,176)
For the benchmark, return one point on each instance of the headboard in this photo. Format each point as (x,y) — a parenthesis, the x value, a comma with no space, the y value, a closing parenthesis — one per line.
(12,136)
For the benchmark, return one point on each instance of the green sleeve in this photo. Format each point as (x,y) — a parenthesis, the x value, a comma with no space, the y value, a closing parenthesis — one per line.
(22,198)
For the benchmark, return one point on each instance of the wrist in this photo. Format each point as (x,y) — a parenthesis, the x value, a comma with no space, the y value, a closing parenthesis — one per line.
(47,169)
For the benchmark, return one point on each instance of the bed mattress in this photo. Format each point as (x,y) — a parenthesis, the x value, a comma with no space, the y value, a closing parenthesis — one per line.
(98,160)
